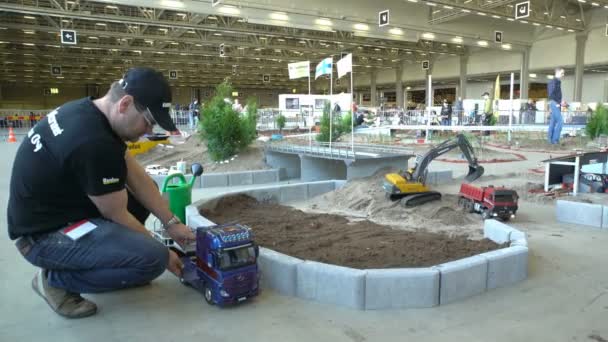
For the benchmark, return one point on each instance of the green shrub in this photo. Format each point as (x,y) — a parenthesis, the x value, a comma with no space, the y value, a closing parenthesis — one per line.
(598,123)
(281,122)
(324,130)
(224,129)
(251,119)
(346,123)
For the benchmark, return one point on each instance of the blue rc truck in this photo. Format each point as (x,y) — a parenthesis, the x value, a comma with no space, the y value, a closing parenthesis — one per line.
(222,265)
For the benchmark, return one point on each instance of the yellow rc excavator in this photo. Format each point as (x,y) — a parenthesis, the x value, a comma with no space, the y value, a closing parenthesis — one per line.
(410,186)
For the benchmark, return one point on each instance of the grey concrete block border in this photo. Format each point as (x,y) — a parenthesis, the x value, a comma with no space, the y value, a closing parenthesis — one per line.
(211,180)
(586,214)
(377,289)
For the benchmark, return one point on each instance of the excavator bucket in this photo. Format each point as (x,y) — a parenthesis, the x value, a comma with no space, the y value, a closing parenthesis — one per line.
(474,173)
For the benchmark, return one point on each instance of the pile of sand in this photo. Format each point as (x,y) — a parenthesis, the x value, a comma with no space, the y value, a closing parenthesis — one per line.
(365,198)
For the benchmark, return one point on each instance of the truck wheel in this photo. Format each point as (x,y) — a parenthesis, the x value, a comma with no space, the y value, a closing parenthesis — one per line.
(461,201)
(208,294)
(485,214)
(470,206)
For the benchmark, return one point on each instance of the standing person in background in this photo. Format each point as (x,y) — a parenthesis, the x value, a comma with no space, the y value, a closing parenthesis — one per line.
(554,93)
(487,112)
(446,113)
(193,115)
(458,109)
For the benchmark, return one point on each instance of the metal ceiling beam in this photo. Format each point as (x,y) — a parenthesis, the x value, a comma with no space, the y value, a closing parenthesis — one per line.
(189,45)
(243,29)
(451,14)
(559,18)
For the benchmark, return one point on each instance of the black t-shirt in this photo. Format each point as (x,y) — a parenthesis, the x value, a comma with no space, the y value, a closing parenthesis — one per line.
(69,154)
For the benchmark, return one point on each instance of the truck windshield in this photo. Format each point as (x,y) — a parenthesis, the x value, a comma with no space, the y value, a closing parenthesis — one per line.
(236,257)
(503,198)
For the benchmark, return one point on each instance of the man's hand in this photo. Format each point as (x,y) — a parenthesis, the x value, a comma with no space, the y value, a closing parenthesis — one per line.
(175,264)
(181,234)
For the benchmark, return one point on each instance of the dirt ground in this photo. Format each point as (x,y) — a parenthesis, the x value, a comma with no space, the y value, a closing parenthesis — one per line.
(193,150)
(342,241)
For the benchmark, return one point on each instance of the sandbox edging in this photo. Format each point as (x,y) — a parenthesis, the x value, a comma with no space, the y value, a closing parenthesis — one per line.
(381,288)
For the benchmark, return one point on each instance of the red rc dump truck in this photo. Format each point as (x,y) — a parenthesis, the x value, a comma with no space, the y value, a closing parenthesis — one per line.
(491,202)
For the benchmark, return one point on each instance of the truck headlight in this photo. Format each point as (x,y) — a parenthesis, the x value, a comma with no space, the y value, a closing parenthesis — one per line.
(512,215)
(224,293)
(495,214)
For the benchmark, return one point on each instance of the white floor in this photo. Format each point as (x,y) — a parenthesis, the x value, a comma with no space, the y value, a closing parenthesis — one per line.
(564,299)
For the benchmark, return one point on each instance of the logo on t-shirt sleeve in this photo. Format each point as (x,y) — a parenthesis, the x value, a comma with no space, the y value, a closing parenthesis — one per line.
(108,181)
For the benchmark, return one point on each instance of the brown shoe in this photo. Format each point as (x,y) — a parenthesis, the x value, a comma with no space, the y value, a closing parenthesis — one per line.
(64,303)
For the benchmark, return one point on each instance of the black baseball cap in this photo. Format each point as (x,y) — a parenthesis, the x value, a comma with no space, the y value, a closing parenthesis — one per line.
(150,88)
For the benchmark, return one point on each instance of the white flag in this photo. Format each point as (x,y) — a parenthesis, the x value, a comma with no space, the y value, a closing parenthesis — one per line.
(345,65)
(299,69)
(324,68)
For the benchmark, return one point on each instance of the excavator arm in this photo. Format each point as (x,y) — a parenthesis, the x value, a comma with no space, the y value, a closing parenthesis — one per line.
(420,169)
(410,187)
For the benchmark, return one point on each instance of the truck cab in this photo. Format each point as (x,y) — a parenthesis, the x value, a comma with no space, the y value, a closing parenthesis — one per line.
(223,264)
(502,203)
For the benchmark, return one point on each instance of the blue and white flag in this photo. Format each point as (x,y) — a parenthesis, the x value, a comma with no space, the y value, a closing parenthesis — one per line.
(324,68)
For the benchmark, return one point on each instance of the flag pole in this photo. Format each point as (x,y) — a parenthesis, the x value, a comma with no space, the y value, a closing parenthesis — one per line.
(331,92)
(312,112)
(309,79)
(352,113)
(331,78)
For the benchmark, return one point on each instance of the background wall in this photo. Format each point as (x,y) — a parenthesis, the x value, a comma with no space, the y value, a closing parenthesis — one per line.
(32,97)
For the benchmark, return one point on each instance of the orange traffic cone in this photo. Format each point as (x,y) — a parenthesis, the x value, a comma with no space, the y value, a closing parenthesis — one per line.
(11,136)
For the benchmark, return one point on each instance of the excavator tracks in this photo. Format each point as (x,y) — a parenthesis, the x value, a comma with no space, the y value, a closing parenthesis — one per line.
(414,200)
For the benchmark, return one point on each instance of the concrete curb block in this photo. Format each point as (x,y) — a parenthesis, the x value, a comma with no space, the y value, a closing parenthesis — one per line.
(401,288)
(506,266)
(316,189)
(376,289)
(293,193)
(462,278)
(239,178)
(579,213)
(279,271)
(497,231)
(332,284)
(211,180)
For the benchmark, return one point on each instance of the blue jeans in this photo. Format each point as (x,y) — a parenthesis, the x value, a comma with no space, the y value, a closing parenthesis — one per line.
(555,123)
(110,257)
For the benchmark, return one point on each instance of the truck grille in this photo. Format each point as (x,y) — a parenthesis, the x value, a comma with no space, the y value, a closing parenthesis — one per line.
(239,283)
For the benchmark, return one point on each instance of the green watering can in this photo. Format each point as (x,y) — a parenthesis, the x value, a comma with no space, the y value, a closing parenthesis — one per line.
(180,194)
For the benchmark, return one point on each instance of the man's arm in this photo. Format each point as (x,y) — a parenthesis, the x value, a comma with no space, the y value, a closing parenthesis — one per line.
(113,206)
(143,188)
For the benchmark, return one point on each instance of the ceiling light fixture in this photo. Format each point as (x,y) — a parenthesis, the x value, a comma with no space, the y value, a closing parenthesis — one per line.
(396,31)
(428,35)
(457,39)
(229,10)
(482,43)
(361,27)
(279,16)
(323,22)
